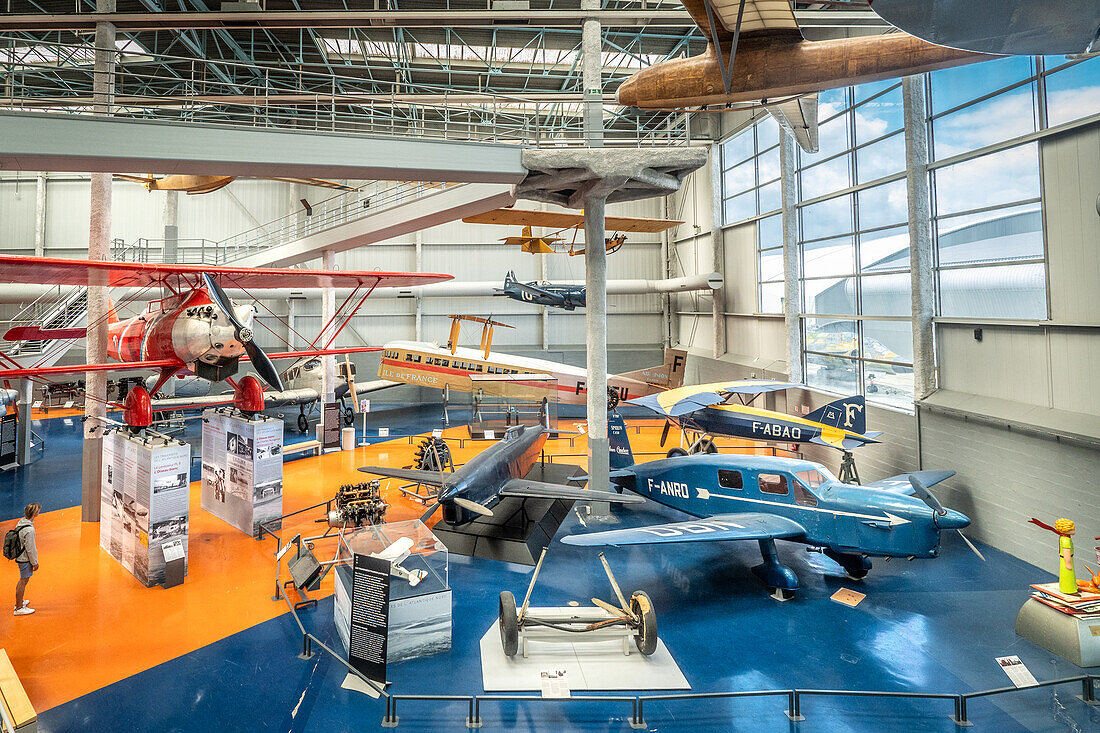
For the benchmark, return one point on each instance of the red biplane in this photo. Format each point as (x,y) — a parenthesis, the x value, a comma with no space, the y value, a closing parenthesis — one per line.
(195,327)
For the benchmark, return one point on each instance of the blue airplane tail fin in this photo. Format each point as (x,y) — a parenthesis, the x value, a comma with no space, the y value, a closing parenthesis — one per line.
(621,455)
(847,413)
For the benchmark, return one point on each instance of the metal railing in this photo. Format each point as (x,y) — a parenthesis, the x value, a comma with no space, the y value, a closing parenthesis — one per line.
(794,711)
(343,208)
(336,211)
(57,77)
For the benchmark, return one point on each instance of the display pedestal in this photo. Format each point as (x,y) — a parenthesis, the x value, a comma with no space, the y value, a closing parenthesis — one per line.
(242,469)
(1075,640)
(519,528)
(590,665)
(392,598)
(145,495)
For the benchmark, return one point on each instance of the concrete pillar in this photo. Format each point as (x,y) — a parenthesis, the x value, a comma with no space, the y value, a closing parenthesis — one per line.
(592,76)
(544,314)
(40,215)
(668,244)
(99,248)
(328,309)
(792,263)
(23,436)
(595,316)
(171,226)
(717,243)
(418,329)
(920,236)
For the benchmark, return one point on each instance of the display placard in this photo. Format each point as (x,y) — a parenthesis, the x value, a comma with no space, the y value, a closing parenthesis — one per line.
(8,431)
(330,421)
(370,611)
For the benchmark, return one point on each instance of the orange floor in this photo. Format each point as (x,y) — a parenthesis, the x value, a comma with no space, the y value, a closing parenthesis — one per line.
(96,624)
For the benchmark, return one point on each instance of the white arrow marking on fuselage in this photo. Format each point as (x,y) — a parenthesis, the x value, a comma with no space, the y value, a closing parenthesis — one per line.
(892,518)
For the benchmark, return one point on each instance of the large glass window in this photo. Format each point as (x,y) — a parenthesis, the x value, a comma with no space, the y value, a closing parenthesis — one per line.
(769,263)
(853,211)
(750,172)
(855,250)
(987,219)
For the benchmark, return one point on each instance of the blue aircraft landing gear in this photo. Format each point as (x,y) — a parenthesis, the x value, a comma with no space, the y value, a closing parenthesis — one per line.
(855,565)
(781,580)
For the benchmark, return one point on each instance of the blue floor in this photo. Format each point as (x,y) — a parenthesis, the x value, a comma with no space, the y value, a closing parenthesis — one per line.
(933,625)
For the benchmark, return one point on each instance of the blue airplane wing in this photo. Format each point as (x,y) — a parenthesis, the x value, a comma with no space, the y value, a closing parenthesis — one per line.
(900,484)
(528,489)
(685,400)
(746,526)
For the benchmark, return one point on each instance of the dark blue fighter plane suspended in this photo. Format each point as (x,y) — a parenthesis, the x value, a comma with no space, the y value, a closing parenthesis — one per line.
(763,498)
(495,473)
(542,293)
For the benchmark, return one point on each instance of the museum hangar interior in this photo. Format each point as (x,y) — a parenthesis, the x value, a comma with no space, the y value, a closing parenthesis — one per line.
(330,413)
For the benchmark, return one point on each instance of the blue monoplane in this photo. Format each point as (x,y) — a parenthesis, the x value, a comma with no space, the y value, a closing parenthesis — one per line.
(763,498)
(568,297)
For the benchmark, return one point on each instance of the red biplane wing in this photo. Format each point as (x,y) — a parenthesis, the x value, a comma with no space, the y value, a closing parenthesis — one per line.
(114,366)
(55,271)
(123,366)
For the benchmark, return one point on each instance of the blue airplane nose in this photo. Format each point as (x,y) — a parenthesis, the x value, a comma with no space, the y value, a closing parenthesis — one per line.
(951,519)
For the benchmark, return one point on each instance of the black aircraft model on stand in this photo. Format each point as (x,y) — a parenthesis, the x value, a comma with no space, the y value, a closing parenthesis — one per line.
(542,293)
(496,473)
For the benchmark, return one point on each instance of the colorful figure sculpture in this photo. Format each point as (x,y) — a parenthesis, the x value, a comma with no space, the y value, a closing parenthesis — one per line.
(1064,528)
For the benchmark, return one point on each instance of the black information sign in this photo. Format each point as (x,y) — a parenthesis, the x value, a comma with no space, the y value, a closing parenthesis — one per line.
(370,612)
(331,424)
(8,432)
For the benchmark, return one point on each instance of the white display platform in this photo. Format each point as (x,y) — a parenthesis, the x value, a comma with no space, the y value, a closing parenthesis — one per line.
(597,665)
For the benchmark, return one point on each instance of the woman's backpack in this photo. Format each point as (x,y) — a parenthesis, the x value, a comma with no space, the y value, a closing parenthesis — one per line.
(13,543)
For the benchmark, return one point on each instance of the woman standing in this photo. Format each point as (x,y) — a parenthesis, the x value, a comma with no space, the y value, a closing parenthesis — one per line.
(28,559)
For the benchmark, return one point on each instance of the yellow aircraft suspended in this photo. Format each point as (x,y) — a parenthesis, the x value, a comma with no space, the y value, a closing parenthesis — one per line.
(561,221)
(205,184)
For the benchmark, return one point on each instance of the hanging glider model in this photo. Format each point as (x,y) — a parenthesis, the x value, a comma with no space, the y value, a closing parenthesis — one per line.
(756,55)
(192,185)
(462,369)
(765,498)
(495,473)
(567,297)
(711,409)
(196,328)
(561,221)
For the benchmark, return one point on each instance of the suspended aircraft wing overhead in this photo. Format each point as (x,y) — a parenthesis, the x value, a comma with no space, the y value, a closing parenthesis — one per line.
(528,489)
(685,400)
(747,526)
(56,271)
(798,117)
(901,484)
(566,220)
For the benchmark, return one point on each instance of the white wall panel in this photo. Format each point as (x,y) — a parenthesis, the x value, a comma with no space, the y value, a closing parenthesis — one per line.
(1071,184)
(17,207)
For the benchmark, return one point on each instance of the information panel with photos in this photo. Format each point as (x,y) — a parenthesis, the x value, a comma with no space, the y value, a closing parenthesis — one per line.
(144,498)
(242,469)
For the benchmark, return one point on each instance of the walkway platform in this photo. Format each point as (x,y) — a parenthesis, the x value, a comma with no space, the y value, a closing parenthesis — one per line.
(52,142)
